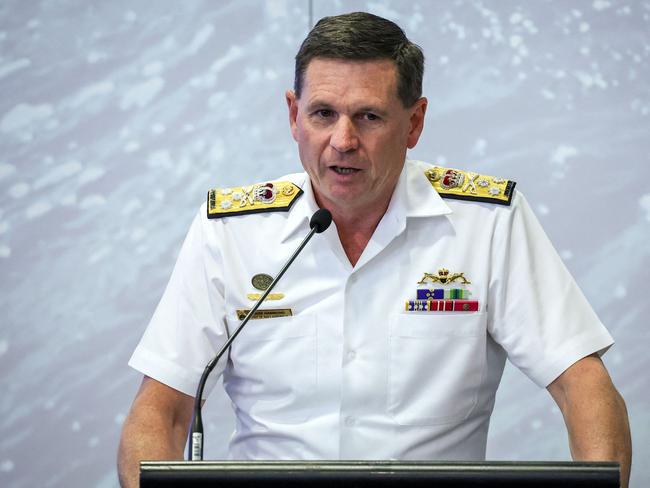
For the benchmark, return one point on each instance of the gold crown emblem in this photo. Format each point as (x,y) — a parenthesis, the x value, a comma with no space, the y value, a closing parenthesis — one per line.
(444,277)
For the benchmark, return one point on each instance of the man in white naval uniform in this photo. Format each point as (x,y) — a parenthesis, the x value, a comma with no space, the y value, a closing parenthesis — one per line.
(347,361)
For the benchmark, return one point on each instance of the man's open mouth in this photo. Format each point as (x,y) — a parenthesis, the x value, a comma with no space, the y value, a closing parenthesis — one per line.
(344,171)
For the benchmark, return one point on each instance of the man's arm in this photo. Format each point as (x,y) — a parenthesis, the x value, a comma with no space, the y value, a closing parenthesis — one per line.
(155,429)
(594,413)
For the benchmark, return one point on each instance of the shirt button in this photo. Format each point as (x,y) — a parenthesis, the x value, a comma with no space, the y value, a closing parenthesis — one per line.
(350,421)
(352,355)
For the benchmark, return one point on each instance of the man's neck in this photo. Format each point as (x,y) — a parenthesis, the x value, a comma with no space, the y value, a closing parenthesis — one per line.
(355,228)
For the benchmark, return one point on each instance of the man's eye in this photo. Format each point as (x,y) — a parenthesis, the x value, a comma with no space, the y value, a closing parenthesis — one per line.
(324,113)
(370,116)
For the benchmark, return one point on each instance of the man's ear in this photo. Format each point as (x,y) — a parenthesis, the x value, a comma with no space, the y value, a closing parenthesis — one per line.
(292,105)
(418,111)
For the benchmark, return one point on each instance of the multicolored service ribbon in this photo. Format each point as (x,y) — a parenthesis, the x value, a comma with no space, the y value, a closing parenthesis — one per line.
(443,294)
(441,305)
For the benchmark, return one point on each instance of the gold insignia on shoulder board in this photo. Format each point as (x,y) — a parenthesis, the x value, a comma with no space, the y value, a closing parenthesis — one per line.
(261,197)
(466,185)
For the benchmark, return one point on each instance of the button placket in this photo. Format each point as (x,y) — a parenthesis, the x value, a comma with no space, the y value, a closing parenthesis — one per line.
(348,418)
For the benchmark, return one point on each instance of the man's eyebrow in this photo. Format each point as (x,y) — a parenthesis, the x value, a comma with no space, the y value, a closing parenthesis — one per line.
(323,105)
(372,109)
(318,105)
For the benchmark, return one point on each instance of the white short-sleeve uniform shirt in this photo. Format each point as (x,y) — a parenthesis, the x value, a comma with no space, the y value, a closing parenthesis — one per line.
(352,375)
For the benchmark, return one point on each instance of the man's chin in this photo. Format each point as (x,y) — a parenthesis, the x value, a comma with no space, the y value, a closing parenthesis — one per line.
(344,200)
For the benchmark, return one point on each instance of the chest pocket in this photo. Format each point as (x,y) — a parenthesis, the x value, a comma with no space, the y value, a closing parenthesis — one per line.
(272,371)
(436,367)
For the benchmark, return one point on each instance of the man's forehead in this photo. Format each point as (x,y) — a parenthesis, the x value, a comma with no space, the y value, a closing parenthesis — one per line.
(326,75)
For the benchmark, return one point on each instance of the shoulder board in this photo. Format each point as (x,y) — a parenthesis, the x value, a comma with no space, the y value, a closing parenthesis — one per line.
(465,185)
(277,196)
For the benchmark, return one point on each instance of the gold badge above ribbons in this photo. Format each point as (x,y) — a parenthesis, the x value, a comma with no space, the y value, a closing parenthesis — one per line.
(466,185)
(261,197)
(444,277)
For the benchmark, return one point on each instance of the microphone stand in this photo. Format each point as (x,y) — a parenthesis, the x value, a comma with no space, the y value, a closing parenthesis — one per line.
(319,222)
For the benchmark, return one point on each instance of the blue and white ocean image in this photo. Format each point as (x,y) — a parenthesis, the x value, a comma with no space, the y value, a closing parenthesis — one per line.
(117,117)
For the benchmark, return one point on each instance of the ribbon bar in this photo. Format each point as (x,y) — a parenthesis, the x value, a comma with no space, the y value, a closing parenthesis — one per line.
(442,305)
(443,294)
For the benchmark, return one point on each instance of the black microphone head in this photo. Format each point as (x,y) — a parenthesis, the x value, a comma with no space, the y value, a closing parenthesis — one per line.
(321,220)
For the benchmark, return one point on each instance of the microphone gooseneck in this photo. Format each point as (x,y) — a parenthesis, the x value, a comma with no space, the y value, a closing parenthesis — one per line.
(318,223)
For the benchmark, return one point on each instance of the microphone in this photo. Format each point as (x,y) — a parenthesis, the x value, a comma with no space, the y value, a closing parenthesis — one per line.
(321,220)
(318,223)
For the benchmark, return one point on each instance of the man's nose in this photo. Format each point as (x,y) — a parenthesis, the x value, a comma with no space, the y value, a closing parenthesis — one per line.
(344,136)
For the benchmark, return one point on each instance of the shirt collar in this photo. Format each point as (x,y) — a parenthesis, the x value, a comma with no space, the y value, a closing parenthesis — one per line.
(413,197)
(303,208)
(422,200)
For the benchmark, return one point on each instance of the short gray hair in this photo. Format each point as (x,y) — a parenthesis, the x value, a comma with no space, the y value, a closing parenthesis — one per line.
(362,36)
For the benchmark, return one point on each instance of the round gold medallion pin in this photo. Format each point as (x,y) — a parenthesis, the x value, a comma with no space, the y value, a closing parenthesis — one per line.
(262,281)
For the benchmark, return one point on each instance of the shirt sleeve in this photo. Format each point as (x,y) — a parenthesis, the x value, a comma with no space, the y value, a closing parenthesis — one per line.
(188,326)
(537,312)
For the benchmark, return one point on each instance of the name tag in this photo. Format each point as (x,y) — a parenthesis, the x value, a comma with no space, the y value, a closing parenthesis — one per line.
(271,313)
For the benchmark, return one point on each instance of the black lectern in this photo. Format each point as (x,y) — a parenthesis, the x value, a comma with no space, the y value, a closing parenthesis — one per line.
(361,474)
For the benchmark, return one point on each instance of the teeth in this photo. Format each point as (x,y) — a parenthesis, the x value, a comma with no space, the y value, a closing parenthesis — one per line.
(344,171)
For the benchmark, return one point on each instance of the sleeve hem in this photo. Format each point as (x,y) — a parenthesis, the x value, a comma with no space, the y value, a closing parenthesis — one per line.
(545,373)
(168,373)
